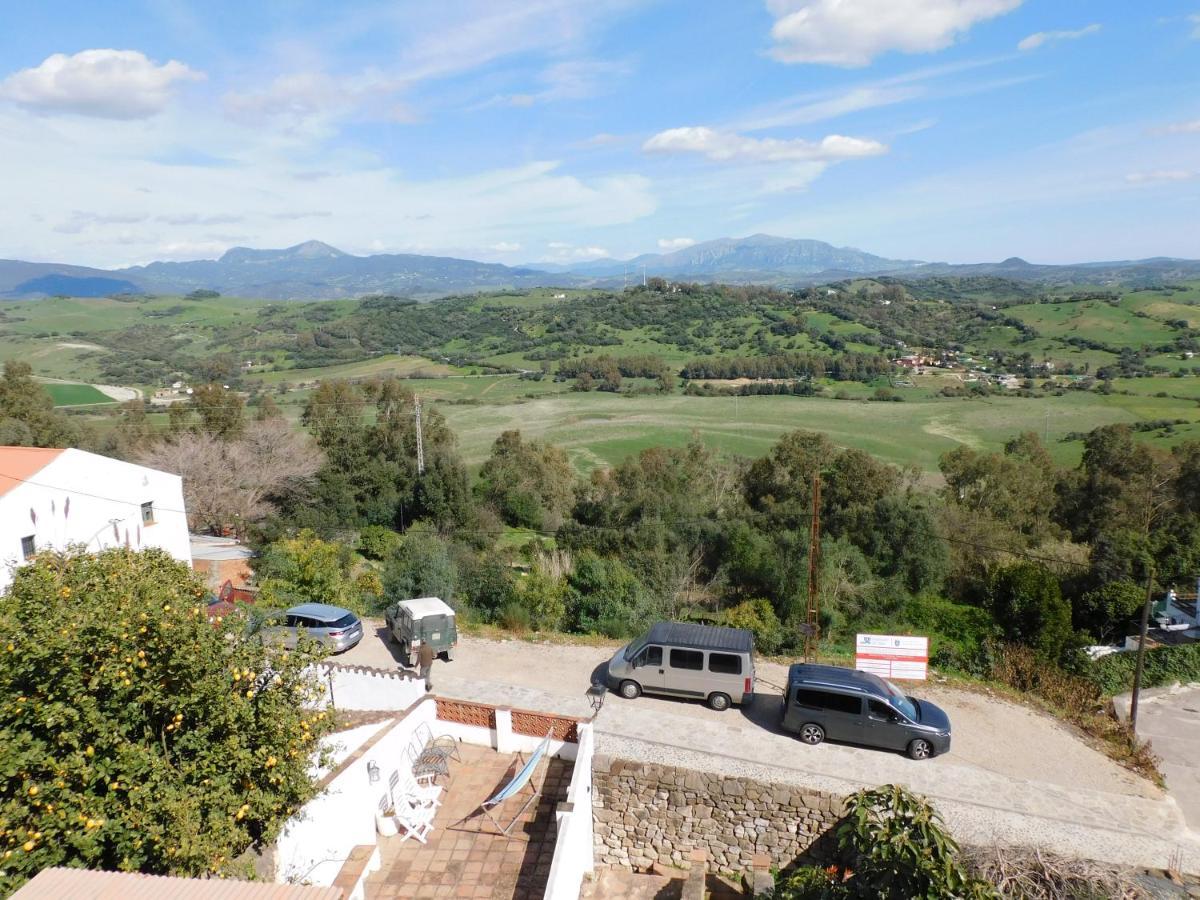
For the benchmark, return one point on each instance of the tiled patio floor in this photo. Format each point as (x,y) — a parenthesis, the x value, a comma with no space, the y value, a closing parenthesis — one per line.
(465,857)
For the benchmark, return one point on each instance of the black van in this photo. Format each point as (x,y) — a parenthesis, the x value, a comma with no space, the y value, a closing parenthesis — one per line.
(860,708)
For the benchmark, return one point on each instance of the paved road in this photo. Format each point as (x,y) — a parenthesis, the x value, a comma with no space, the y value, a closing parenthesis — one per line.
(1013,776)
(1170,719)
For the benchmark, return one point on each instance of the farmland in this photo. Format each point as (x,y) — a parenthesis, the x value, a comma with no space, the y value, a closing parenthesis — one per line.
(490,360)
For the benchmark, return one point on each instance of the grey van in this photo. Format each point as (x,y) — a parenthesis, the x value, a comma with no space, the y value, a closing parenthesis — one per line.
(846,705)
(682,659)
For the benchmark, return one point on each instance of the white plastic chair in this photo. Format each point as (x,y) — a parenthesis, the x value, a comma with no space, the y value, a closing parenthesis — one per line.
(414,790)
(414,821)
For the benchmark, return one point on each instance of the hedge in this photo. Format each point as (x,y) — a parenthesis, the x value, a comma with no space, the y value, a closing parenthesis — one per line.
(1163,665)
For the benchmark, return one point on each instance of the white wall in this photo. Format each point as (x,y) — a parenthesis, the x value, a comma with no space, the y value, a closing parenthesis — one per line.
(318,839)
(73,500)
(369,689)
(573,849)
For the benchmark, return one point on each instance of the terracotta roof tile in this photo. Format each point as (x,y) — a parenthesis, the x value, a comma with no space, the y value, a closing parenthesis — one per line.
(85,884)
(17,464)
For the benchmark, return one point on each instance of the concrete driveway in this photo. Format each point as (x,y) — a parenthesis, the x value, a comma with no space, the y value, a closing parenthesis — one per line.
(1013,776)
(1170,719)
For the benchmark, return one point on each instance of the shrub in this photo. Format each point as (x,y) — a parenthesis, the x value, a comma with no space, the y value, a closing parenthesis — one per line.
(134,735)
(306,569)
(1113,674)
(898,847)
(758,617)
(377,542)
(1028,605)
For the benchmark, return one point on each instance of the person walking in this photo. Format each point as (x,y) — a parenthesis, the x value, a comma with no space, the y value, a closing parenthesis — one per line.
(425,660)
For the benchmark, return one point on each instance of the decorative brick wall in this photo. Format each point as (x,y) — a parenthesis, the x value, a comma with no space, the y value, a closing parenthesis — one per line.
(537,725)
(464,713)
(648,813)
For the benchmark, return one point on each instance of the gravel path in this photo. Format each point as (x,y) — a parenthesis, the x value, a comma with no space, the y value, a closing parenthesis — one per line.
(1014,775)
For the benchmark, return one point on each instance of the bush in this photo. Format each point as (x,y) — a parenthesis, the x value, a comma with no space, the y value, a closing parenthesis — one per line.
(758,617)
(958,633)
(306,569)
(377,542)
(1028,605)
(898,847)
(134,735)
(1113,674)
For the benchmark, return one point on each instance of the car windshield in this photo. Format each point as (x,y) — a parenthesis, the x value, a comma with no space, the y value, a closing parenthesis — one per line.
(899,701)
(344,622)
(634,648)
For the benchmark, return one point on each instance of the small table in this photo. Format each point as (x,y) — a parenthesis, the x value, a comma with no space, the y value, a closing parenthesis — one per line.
(595,695)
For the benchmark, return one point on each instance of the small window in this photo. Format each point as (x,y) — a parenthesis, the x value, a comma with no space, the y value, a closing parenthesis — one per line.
(650,656)
(880,710)
(827,700)
(28,547)
(687,659)
(148,513)
(725,663)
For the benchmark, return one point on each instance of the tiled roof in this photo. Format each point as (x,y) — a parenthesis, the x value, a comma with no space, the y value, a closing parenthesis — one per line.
(85,884)
(17,464)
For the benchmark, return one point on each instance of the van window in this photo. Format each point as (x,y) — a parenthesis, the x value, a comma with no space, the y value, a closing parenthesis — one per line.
(879,710)
(725,663)
(687,659)
(650,656)
(843,703)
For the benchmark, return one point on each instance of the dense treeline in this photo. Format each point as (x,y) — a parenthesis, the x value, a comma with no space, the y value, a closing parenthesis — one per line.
(848,367)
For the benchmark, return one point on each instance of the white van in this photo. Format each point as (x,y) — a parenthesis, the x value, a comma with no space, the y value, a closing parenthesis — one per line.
(682,659)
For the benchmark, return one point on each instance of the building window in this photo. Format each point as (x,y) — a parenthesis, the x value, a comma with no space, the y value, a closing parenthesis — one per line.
(148,513)
(28,547)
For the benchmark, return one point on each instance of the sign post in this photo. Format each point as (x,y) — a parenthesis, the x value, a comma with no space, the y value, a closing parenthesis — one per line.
(892,656)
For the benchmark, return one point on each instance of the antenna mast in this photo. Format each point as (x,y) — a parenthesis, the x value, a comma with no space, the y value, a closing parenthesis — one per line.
(420,440)
(812,620)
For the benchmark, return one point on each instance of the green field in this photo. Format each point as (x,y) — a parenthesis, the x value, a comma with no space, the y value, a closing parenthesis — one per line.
(390,364)
(602,429)
(1092,320)
(77,395)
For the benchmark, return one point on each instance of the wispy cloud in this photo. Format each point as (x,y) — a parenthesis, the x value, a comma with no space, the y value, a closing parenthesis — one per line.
(576,79)
(1041,38)
(851,33)
(1192,127)
(668,245)
(105,84)
(728,146)
(1160,176)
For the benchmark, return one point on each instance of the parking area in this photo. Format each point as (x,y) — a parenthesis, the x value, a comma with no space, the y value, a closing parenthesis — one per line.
(1013,774)
(1170,719)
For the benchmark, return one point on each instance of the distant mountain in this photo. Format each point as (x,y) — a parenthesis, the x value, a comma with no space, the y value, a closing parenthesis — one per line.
(757,254)
(314,271)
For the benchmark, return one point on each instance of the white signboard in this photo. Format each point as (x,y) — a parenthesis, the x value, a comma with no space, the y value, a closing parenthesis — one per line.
(892,656)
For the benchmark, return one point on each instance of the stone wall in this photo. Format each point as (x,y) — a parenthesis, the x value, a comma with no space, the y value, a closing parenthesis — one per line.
(646,813)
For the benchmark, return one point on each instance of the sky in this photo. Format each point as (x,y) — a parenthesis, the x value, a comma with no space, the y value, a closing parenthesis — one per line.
(522,131)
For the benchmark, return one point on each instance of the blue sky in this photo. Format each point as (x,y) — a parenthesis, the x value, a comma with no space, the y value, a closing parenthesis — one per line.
(556,130)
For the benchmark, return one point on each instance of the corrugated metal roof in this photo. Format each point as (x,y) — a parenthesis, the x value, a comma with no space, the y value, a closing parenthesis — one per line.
(85,884)
(18,464)
(702,637)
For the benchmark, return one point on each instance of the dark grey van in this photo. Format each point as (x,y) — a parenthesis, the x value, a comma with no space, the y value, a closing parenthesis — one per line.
(860,708)
(682,659)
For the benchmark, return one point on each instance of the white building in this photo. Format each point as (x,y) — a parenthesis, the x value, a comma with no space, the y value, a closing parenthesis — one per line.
(50,499)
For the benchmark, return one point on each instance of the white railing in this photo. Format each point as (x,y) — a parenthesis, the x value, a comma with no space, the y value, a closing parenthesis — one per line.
(573,851)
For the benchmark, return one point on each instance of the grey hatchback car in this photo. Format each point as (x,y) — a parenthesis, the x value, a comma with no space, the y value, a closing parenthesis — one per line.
(860,708)
(336,628)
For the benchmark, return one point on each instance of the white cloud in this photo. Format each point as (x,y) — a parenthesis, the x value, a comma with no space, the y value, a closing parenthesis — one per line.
(669,244)
(1161,176)
(1047,37)
(853,32)
(728,146)
(576,79)
(1192,127)
(562,251)
(505,247)
(106,84)
(303,99)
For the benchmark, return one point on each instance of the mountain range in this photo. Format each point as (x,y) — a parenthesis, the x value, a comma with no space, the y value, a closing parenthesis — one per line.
(315,270)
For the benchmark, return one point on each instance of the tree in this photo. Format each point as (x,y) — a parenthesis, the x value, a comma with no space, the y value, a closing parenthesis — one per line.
(1028,605)
(420,567)
(27,414)
(221,411)
(306,569)
(1105,611)
(135,735)
(544,596)
(531,484)
(232,483)
(604,596)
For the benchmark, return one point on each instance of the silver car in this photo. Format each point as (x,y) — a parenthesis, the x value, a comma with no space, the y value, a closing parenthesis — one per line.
(335,628)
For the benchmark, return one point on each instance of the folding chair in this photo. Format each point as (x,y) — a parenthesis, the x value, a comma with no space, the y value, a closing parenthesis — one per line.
(443,745)
(427,760)
(413,790)
(414,821)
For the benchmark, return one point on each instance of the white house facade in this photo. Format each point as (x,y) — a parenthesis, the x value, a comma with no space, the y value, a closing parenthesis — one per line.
(52,499)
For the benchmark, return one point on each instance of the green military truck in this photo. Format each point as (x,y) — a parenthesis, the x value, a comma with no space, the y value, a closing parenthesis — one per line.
(422,620)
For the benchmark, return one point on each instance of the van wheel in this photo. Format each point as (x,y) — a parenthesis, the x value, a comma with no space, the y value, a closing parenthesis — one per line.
(630,690)
(920,749)
(812,733)
(448,655)
(719,702)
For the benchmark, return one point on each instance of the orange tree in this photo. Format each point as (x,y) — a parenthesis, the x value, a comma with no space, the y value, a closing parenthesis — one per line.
(135,734)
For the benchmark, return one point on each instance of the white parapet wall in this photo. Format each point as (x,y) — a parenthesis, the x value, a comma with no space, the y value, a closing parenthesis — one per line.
(363,688)
(573,848)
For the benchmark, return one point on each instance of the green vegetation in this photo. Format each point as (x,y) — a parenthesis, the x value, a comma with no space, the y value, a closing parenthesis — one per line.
(1163,665)
(135,735)
(77,395)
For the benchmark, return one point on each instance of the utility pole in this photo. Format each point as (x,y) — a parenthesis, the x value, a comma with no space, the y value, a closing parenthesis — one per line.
(1141,652)
(420,439)
(812,619)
